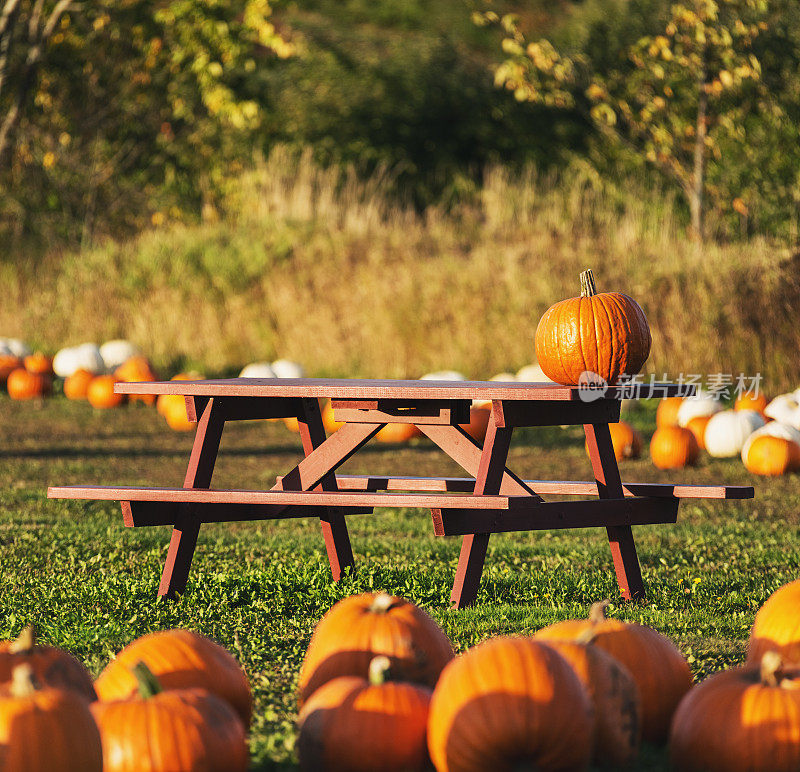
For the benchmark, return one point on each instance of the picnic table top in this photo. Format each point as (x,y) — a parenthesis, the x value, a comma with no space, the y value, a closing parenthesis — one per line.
(342,388)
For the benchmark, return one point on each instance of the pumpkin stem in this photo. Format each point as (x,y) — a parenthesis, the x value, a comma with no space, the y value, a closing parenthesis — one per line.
(148,684)
(771,664)
(588,287)
(23,681)
(597,613)
(25,642)
(587,636)
(381,603)
(380,670)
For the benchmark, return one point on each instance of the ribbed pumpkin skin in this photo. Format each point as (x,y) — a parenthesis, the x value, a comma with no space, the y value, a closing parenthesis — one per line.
(51,667)
(731,722)
(49,731)
(606,334)
(772,456)
(179,659)
(673,447)
(350,634)
(349,725)
(187,730)
(508,704)
(656,664)
(615,696)
(777,626)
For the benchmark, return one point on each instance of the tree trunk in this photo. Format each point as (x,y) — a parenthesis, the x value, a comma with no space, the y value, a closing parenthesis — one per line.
(699,171)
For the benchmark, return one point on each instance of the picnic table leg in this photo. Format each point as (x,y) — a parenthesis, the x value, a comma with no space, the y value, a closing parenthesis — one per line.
(609,486)
(187,527)
(334,527)
(488,480)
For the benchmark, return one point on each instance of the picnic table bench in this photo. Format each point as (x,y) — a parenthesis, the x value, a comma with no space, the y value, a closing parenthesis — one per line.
(492,499)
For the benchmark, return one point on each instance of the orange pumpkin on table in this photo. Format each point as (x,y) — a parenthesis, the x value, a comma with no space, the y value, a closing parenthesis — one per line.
(178,730)
(507,704)
(179,659)
(746,719)
(360,627)
(24,385)
(134,370)
(673,447)
(777,625)
(101,394)
(597,335)
(667,411)
(656,664)
(39,363)
(357,724)
(627,442)
(46,729)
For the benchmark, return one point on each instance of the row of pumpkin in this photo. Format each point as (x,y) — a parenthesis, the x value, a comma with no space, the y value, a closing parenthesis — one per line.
(380,688)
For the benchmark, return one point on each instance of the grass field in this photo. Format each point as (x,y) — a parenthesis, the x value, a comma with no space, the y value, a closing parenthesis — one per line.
(259,588)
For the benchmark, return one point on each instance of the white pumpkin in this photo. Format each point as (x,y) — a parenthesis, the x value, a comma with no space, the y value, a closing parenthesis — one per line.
(444,375)
(701,404)
(116,352)
(727,431)
(257,370)
(83,357)
(785,408)
(504,377)
(17,347)
(532,374)
(5,351)
(285,368)
(772,429)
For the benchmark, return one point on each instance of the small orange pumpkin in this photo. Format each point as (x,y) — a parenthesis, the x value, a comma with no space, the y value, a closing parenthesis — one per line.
(615,696)
(627,442)
(478,422)
(749,400)
(603,335)
(772,456)
(510,703)
(697,426)
(179,659)
(163,402)
(354,724)
(8,363)
(180,730)
(396,433)
(359,627)
(673,447)
(76,386)
(50,666)
(777,625)
(24,385)
(656,664)
(46,730)
(101,394)
(134,370)
(173,408)
(667,411)
(328,421)
(746,719)
(38,363)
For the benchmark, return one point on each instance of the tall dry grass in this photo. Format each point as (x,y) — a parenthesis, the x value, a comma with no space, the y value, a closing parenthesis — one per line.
(325,268)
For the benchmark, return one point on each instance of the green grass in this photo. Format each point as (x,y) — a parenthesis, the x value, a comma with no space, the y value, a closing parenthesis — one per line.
(259,588)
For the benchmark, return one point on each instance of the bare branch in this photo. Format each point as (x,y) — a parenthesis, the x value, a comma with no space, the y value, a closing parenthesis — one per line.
(8,21)
(7,17)
(55,16)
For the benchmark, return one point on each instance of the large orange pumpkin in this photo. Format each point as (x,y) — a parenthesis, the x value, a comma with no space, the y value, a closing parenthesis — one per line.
(358,628)
(673,447)
(39,363)
(181,730)
(615,696)
(46,730)
(603,335)
(746,719)
(50,666)
(179,659)
(24,385)
(697,426)
(667,411)
(772,456)
(508,704)
(627,442)
(354,724)
(101,394)
(8,363)
(777,625)
(656,664)
(76,386)
(134,370)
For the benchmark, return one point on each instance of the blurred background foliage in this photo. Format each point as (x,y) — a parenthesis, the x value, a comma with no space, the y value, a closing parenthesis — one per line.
(149,111)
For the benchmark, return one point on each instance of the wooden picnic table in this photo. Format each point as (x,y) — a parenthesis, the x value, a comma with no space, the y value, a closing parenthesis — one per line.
(492,499)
